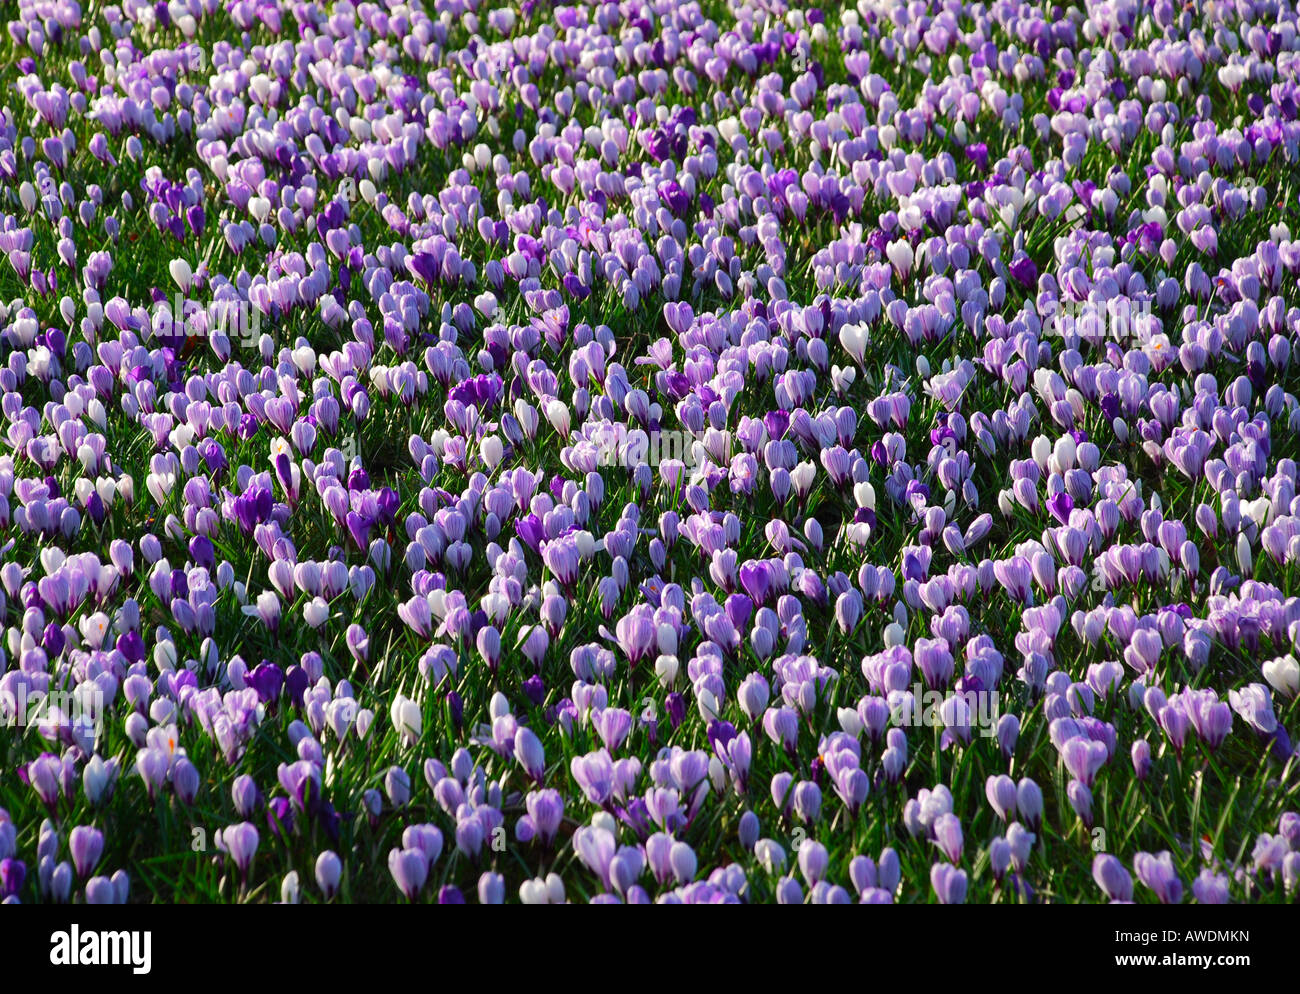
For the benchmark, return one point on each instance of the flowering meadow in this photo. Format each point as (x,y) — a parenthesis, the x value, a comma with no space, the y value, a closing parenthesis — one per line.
(649,451)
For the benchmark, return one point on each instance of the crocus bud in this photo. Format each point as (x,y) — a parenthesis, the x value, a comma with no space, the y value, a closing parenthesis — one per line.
(1141,755)
(329,870)
(1283,675)
(948,836)
(529,753)
(1081,800)
(1029,801)
(185,780)
(397,785)
(813,861)
(492,888)
(1002,796)
(748,829)
(999,857)
(949,883)
(788,891)
(1112,878)
(1008,733)
(86,844)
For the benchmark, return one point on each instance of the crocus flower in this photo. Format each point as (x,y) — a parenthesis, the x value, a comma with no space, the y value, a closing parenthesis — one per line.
(240,841)
(1112,878)
(409,869)
(949,883)
(1158,873)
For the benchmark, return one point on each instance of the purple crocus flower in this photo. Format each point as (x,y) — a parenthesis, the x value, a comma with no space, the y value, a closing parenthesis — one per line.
(86,844)
(1159,875)
(409,869)
(949,883)
(240,841)
(1112,878)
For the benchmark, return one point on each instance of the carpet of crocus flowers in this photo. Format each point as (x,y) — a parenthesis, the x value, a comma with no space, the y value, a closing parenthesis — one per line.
(649,451)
